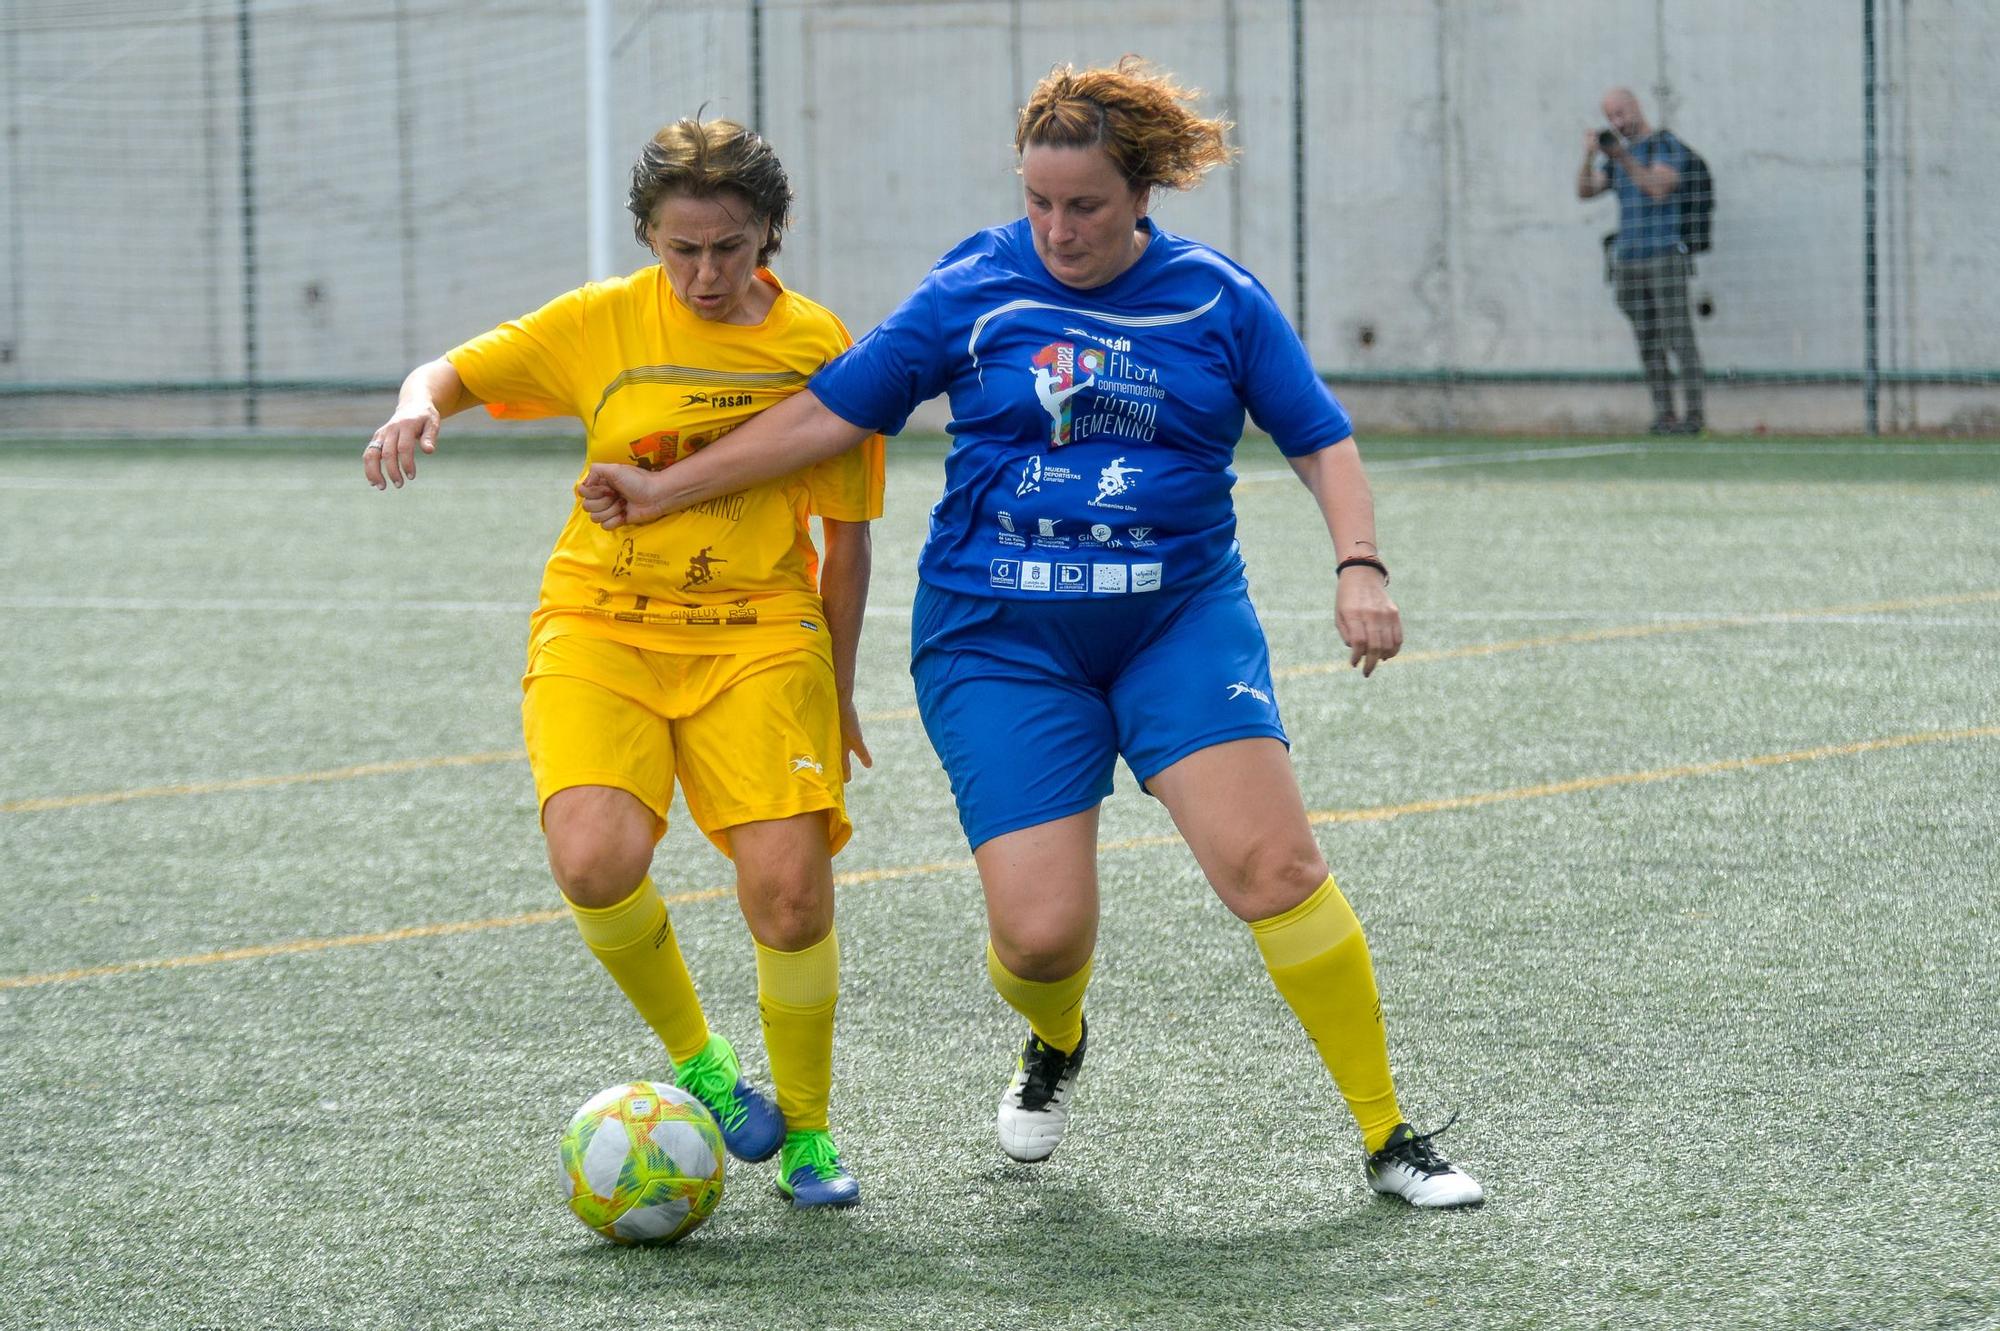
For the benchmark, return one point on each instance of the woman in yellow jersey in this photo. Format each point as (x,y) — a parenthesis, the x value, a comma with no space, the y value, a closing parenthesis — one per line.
(711,649)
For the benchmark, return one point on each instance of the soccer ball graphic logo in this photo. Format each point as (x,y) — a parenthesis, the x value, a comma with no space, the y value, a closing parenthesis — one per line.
(642,1163)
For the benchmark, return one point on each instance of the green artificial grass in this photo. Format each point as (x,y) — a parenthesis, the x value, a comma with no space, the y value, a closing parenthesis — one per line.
(1720,1032)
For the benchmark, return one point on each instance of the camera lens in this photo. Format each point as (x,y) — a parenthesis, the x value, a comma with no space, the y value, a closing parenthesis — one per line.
(1605,138)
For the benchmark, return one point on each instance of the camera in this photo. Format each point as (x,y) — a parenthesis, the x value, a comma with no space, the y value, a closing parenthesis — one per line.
(1607,139)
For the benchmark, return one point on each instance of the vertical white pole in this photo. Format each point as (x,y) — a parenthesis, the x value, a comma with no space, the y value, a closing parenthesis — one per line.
(602,210)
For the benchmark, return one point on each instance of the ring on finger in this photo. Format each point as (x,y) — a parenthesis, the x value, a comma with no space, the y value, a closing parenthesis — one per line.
(373,447)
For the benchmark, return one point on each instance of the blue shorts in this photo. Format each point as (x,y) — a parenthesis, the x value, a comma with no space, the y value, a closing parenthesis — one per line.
(1030,703)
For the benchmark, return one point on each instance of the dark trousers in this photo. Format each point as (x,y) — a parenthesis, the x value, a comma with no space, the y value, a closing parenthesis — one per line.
(1653,293)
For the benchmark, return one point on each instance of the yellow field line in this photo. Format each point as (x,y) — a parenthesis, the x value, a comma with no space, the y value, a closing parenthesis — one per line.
(262,782)
(1648,631)
(1378,813)
(45,803)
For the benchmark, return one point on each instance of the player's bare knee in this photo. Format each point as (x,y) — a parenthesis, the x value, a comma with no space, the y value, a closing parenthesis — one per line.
(1044,956)
(787,913)
(1269,878)
(595,874)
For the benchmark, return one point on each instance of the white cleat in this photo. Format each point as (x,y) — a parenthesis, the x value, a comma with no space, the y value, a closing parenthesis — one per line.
(1034,1109)
(1408,1166)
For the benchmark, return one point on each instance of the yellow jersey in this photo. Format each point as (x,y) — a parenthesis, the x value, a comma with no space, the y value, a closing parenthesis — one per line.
(653,382)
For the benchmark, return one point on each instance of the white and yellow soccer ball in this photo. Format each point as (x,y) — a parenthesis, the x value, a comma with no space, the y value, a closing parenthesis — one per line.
(642,1163)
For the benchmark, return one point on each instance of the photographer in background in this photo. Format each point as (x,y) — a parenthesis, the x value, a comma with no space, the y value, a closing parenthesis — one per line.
(1650,266)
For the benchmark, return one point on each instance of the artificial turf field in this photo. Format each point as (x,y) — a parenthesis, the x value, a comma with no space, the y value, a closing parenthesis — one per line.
(1676,832)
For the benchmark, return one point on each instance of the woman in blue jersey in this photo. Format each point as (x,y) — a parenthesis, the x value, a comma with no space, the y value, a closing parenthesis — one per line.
(1081,593)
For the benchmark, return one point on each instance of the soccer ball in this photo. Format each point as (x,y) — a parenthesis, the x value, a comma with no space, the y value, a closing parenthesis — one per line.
(642,1163)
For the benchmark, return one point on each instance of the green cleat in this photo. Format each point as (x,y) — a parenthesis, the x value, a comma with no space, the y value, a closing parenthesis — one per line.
(752,1128)
(810,1172)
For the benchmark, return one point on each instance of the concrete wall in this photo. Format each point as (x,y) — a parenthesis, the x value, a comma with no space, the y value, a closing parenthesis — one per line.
(418,171)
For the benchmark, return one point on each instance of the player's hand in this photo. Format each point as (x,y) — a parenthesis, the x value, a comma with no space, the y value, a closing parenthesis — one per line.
(852,745)
(1590,145)
(615,494)
(1368,620)
(391,455)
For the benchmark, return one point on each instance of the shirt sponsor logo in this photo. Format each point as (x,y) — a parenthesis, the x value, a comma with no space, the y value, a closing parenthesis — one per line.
(806,763)
(1004,573)
(1142,537)
(1031,478)
(1239,688)
(1115,480)
(1107,578)
(700,399)
(1035,575)
(1061,372)
(1145,577)
(1070,577)
(701,569)
(657,451)
(1114,343)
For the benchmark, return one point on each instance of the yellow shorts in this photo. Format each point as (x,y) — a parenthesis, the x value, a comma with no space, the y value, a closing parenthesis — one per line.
(750,737)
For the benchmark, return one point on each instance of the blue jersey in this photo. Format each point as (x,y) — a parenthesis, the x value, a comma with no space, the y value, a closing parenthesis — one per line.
(1092,431)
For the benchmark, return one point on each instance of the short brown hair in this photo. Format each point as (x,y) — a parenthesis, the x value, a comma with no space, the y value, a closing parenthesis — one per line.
(702,159)
(1137,114)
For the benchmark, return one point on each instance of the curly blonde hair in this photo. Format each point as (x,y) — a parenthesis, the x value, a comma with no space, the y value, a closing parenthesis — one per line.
(1136,113)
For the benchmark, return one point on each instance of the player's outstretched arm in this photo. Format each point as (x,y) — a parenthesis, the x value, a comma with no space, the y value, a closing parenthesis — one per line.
(1368,620)
(796,433)
(430,393)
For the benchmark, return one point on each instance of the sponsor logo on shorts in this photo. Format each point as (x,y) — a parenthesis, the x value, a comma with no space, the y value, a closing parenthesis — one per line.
(1004,573)
(1071,577)
(1239,688)
(1145,577)
(1034,575)
(803,761)
(1107,578)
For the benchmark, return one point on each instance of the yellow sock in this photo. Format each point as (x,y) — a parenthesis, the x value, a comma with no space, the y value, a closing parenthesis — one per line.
(1054,1008)
(1318,958)
(635,941)
(796,993)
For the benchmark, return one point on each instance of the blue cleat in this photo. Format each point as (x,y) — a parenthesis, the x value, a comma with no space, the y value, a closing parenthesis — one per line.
(752,1127)
(810,1172)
